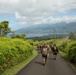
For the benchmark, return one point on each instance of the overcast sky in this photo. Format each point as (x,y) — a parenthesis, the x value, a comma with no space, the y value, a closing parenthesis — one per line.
(21,13)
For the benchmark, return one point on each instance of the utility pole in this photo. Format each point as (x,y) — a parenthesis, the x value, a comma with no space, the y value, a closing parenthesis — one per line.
(54,34)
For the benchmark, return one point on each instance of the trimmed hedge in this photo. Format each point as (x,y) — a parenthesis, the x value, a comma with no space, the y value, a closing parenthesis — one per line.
(12,52)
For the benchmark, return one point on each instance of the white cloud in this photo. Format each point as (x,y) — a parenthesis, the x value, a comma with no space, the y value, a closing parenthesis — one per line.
(18,16)
(66,19)
(35,11)
(36,7)
(44,20)
(8,1)
(23,23)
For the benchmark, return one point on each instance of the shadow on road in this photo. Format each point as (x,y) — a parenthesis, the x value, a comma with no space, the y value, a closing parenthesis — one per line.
(37,62)
(51,58)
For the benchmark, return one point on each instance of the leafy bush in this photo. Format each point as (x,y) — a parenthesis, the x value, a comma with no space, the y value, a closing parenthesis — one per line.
(62,47)
(30,41)
(71,48)
(12,52)
(63,44)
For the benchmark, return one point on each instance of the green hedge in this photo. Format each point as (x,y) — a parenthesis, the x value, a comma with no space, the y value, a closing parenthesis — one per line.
(12,52)
(63,46)
(71,48)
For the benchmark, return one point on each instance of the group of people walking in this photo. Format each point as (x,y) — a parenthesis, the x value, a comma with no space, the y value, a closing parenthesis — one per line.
(45,49)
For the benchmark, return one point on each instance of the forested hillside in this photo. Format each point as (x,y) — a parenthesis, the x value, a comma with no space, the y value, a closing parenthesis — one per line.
(49,28)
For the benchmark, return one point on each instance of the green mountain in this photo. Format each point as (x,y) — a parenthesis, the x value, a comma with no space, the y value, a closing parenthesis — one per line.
(46,29)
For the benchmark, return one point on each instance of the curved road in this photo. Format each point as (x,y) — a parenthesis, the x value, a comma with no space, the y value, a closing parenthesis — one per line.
(53,67)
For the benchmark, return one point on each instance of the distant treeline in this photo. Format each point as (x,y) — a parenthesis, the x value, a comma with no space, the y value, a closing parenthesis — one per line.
(47,37)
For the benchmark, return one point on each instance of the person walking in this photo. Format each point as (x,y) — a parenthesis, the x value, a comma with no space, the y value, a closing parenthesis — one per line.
(49,49)
(44,54)
(54,49)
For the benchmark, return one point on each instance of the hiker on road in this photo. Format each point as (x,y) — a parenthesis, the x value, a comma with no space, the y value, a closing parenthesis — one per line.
(54,49)
(44,54)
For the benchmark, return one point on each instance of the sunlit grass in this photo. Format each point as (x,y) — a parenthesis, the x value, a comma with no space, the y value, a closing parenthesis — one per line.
(17,68)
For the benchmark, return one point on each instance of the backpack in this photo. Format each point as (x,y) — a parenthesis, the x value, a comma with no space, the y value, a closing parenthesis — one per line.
(55,50)
(44,51)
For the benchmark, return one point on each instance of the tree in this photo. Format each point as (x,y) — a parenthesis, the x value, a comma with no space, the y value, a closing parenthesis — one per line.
(4,29)
(13,34)
(72,36)
(21,36)
(1,27)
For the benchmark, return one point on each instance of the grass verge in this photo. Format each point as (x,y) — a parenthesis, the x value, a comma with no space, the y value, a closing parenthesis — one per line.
(63,54)
(17,68)
(65,57)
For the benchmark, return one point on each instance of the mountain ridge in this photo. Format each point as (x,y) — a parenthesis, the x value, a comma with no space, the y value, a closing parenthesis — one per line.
(49,28)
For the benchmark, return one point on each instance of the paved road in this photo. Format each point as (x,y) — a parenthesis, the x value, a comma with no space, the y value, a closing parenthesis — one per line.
(53,67)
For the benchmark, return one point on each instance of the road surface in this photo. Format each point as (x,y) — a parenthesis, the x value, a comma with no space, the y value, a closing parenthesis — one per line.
(53,67)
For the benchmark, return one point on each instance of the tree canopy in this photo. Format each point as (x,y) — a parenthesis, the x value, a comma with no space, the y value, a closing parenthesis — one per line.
(4,28)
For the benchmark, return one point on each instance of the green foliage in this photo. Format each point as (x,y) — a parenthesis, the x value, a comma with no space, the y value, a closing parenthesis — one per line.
(30,41)
(4,29)
(21,36)
(36,43)
(15,69)
(12,52)
(71,48)
(72,36)
(62,47)
(43,41)
(68,48)
(63,44)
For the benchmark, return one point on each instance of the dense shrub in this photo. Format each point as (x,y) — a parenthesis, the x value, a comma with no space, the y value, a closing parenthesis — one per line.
(63,44)
(30,41)
(68,49)
(62,47)
(12,52)
(71,48)
(36,43)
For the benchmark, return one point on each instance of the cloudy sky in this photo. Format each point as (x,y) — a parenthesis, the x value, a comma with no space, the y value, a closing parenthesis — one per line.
(21,13)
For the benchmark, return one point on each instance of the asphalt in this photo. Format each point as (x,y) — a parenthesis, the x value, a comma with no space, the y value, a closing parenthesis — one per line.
(53,67)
